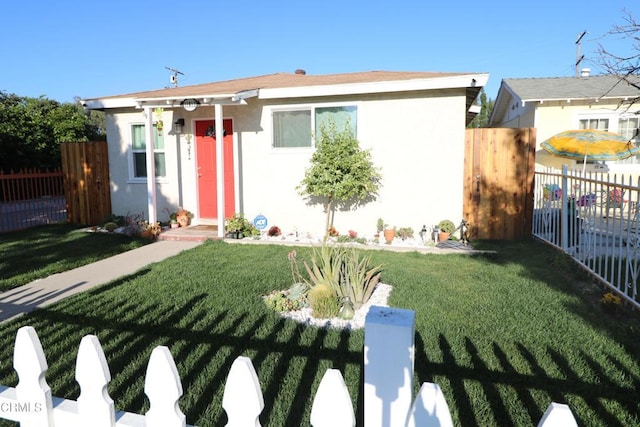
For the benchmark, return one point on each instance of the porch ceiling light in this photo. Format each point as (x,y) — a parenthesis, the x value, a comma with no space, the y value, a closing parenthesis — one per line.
(190,104)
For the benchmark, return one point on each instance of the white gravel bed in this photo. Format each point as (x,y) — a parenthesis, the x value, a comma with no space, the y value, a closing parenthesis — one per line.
(379,297)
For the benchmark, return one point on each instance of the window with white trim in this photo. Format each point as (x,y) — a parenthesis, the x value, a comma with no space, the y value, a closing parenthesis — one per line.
(139,152)
(293,128)
(595,123)
(627,127)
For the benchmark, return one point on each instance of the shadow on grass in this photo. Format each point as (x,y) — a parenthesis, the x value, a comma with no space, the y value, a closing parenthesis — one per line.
(204,346)
(566,384)
(38,252)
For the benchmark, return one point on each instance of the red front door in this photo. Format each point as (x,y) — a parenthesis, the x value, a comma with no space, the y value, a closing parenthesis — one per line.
(206,169)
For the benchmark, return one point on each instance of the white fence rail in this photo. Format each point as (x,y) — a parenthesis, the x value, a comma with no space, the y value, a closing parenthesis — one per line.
(388,401)
(593,218)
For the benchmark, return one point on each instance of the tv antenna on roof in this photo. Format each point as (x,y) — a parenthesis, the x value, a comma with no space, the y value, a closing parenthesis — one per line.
(174,76)
(578,57)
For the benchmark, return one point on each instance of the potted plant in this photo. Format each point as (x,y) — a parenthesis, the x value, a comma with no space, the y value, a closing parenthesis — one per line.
(235,226)
(150,230)
(389,233)
(445,227)
(173,220)
(238,227)
(183,217)
(405,233)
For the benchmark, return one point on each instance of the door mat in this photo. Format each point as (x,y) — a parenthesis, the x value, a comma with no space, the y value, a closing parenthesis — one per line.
(204,227)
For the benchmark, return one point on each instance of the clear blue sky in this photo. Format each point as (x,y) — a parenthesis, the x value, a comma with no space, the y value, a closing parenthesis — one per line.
(87,48)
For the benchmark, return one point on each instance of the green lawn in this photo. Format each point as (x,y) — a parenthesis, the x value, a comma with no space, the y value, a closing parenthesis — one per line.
(38,252)
(503,335)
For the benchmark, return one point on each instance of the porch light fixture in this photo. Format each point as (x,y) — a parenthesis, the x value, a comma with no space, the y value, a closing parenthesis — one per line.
(190,104)
(177,126)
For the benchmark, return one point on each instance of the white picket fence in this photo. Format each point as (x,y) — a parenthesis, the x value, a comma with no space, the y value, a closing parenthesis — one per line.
(388,354)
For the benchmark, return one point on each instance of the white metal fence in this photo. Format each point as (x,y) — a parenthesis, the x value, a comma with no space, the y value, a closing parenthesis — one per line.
(593,218)
(388,388)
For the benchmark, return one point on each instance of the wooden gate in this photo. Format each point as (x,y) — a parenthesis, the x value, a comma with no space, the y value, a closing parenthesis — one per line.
(85,166)
(498,182)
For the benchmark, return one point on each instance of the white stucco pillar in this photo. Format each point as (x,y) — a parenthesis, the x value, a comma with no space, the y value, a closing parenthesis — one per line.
(151,165)
(388,366)
(220,168)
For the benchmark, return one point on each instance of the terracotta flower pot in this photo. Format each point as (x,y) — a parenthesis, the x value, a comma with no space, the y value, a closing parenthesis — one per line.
(389,234)
(183,220)
(442,236)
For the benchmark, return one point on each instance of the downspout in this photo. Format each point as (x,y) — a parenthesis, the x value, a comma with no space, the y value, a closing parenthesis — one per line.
(151,165)
(220,168)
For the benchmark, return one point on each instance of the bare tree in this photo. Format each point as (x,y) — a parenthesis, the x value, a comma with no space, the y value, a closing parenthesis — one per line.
(624,65)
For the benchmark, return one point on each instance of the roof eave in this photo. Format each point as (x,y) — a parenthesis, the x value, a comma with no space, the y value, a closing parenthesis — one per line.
(448,82)
(169,101)
(586,98)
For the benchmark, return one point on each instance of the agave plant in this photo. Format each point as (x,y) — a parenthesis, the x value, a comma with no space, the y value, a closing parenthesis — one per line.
(359,277)
(345,271)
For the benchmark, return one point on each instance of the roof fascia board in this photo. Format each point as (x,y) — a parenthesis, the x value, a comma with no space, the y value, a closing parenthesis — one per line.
(162,101)
(245,94)
(569,100)
(183,97)
(204,102)
(101,104)
(461,81)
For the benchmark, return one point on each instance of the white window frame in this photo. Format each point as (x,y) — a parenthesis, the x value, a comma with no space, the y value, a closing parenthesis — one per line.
(130,155)
(312,109)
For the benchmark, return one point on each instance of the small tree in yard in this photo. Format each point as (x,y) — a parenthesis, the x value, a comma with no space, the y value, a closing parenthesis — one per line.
(341,173)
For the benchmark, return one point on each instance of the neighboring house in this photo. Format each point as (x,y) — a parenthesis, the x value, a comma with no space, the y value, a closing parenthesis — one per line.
(413,122)
(556,104)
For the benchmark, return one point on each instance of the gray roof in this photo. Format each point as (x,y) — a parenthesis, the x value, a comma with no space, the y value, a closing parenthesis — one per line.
(563,88)
(567,89)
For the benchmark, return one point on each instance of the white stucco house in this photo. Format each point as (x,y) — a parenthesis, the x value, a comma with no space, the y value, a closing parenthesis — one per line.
(413,123)
(556,104)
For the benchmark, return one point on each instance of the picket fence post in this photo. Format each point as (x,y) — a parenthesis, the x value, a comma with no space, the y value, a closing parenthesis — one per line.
(332,404)
(95,406)
(32,389)
(388,366)
(242,399)
(388,401)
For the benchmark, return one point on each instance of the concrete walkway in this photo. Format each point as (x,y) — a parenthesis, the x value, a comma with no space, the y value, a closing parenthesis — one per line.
(49,290)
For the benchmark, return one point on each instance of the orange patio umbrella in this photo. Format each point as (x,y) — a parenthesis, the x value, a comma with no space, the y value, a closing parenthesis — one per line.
(590,145)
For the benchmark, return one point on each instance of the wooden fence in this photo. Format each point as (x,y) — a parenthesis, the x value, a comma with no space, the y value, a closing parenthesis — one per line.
(31,197)
(86,181)
(499,167)
(388,366)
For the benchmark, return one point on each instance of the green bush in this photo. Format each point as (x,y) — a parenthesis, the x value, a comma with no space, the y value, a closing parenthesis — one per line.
(446,226)
(405,233)
(323,302)
(110,226)
(238,223)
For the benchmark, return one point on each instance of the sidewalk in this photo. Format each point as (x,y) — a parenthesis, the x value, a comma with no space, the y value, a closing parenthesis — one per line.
(49,290)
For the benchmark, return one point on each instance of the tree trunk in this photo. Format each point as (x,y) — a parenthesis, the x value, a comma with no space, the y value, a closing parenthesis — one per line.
(327,223)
